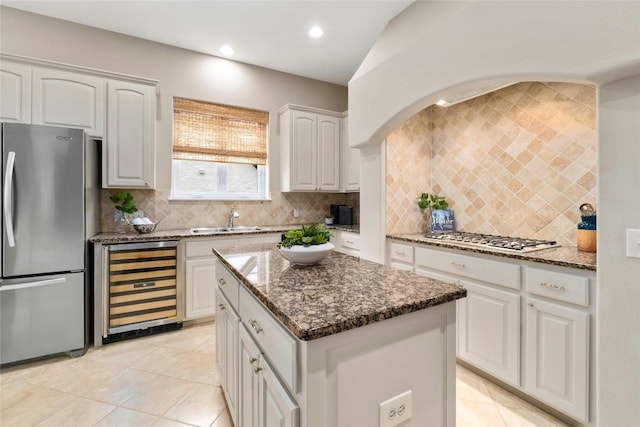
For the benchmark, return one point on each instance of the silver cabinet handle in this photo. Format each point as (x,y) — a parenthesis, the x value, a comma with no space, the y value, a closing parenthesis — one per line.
(257,369)
(255,326)
(552,287)
(400,253)
(457,265)
(222,282)
(349,241)
(222,307)
(252,360)
(530,304)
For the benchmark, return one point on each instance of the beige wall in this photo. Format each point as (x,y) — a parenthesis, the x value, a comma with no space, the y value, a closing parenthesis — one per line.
(185,74)
(517,162)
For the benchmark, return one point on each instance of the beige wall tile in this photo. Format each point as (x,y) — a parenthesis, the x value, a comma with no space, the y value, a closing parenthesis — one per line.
(518,161)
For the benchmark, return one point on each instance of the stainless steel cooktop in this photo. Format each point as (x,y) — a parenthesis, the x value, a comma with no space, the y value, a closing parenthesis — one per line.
(506,243)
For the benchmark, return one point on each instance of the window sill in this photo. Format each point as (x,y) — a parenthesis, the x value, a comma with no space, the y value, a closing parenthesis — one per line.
(218,199)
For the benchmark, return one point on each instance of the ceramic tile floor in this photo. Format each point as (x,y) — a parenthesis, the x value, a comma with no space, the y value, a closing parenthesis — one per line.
(170,380)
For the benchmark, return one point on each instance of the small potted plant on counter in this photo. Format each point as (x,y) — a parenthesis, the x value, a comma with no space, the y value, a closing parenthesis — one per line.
(328,219)
(442,219)
(125,206)
(306,245)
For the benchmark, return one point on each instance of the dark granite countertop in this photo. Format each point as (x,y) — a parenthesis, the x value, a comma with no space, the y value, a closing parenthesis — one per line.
(342,292)
(563,256)
(182,233)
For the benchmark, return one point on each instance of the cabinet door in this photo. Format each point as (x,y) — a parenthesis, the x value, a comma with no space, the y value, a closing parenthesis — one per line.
(490,331)
(247,380)
(128,153)
(350,161)
(557,357)
(304,151)
(232,326)
(15,96)
(200,288)
(67,99)
(328,153)
(275,406)
(221,334)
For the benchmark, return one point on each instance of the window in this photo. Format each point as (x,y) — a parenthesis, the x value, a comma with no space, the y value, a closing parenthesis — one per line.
(219,151)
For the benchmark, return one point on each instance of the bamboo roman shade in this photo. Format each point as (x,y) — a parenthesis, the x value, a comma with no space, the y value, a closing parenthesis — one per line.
(219,133)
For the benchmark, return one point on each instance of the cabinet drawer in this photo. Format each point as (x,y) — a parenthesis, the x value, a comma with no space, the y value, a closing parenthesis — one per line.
(350,241)
(558,286)
(278,346)
(494,272)
(199,248)
(400,252)
(228,284)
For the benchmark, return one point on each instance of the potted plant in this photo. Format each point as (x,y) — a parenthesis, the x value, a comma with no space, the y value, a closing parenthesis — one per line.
(442,219)
(306,245)
(125,205)
(328,219)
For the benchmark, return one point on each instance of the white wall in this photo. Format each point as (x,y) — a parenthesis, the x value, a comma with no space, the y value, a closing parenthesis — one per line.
(441,49)
(181,73)
(618,356)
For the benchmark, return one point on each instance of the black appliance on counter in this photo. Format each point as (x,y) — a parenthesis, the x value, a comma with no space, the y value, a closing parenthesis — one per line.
(342,214)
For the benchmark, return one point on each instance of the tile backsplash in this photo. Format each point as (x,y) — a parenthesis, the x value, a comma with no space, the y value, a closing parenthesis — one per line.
(518,161)
(177,214)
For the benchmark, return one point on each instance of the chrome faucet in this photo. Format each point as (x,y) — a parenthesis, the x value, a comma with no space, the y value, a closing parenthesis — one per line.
(232,214)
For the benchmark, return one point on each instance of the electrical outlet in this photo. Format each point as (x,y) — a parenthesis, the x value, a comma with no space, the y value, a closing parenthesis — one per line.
(396,410)
(296,212)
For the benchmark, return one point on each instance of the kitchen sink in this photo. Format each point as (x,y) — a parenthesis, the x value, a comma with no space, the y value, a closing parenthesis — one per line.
(238,229)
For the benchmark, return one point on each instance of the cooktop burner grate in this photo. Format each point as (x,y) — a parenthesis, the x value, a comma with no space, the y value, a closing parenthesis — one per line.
(511,244)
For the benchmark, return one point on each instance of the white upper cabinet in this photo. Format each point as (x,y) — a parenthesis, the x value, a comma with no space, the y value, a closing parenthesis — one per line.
(15,95)
(61,98)
(309,149)
(350,161)
(128,154)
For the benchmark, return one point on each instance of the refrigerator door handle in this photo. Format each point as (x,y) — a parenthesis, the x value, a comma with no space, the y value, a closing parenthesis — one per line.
(8,198)
(33,284)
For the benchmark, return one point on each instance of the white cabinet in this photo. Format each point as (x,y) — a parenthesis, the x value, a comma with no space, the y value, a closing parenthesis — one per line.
(558,340)
(227,326)
(400,256)
(346,242)
(263,399)
(200,271)
(557,356)
(309,149)
(200,289)
(15,95)
(349,160)
(62,98)
(254,392)
(489,317)
(490,330)
(128,153)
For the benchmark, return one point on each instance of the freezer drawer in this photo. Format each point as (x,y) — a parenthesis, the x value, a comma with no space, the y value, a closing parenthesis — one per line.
(41,316)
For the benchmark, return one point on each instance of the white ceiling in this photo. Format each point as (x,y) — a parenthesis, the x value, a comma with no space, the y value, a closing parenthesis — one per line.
(268,33)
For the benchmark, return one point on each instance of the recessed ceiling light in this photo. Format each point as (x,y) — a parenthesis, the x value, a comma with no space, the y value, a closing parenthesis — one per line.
(226,50)
(315,32)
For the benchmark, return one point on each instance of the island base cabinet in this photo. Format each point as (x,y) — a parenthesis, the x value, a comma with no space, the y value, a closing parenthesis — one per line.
(557,357)
(263,400)
(227,326)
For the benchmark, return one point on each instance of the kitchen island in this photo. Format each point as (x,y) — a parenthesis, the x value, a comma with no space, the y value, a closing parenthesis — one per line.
(327,344)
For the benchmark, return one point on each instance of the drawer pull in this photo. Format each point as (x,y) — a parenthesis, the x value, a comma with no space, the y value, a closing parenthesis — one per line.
(400,253)
(257,369)
(252,360)
(222,282)
(456,265)
(255,326)
(552,286)
(222,307)
(144,285)
(530,304)
(349,242)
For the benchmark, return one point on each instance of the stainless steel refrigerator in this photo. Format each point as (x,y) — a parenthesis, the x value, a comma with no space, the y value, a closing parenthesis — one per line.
(42,285)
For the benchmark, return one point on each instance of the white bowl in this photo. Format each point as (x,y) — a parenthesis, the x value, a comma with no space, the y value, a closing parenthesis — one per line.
(307,255)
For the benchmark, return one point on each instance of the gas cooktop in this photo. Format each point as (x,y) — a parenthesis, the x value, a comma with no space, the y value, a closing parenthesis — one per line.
(510,244)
